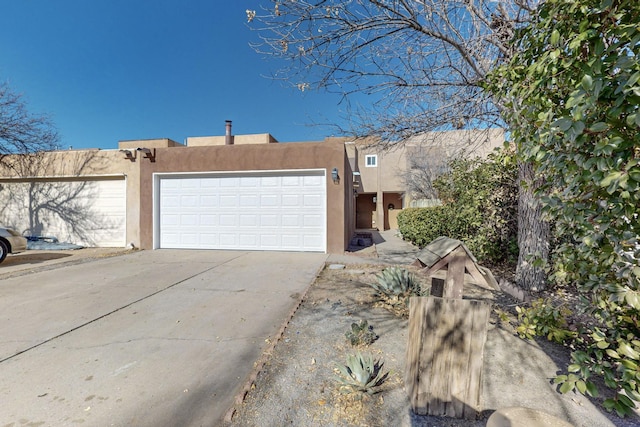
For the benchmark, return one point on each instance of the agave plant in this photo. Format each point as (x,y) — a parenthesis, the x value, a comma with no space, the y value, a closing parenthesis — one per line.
(361,333)
(395,281)
(362,373)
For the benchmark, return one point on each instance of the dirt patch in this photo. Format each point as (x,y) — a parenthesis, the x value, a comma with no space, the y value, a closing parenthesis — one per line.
(297,385)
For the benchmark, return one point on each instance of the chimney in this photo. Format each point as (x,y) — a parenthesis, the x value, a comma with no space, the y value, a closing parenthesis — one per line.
(228,137)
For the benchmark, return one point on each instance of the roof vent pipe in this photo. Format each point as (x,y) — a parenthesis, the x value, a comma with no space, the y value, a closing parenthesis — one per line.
(228,137)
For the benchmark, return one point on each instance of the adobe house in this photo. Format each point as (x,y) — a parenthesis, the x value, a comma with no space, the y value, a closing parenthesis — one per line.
(378,173)
(245,192)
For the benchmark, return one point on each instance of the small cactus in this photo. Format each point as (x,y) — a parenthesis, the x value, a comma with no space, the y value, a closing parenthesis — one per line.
(361,333)
(362,373)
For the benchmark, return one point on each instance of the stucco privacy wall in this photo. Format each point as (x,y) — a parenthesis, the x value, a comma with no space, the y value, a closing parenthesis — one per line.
(266,157)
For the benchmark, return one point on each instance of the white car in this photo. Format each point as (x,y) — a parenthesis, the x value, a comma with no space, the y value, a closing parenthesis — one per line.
(11,242)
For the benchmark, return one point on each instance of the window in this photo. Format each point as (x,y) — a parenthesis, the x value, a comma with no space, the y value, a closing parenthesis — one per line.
(371,160)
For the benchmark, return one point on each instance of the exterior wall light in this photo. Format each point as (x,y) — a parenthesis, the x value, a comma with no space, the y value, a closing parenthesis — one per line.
(148,154)
(334,176)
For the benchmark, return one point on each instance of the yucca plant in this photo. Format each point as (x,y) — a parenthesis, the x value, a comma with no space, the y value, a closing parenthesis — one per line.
(361,333)
(362,373)
(396,281)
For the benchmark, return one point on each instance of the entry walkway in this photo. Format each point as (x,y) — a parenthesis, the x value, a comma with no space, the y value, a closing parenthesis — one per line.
(388,248)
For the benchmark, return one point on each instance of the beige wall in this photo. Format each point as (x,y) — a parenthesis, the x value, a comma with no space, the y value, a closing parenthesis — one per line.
(386,180)
(251,158)
(393,162)
(148,143)
(387,175)
(176,158)
(260,138)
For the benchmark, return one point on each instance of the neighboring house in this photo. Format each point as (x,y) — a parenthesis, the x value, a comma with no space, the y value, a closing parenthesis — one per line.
(380,175)
(245,192)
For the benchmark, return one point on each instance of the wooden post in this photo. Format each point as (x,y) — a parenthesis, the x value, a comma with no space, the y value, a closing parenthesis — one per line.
(445,354)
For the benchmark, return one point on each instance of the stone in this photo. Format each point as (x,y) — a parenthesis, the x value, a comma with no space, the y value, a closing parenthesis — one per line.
(524,417)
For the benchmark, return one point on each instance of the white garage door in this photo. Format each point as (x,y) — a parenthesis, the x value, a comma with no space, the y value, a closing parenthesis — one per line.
(89,212)
(247,211)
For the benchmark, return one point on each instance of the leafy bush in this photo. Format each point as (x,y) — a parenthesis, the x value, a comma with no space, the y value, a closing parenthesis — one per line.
(361,333)
(571,94)
(479,208)
(544,318)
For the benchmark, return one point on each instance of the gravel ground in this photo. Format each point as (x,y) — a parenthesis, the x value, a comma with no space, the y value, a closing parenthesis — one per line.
(295,384)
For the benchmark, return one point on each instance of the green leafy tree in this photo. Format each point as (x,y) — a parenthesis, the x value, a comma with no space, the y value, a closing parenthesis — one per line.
(572,97)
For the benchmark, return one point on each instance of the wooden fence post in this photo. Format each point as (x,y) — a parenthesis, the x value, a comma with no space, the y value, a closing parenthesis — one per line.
(445,355)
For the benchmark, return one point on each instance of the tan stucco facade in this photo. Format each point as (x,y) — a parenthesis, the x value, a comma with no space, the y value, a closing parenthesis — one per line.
(381,187)
(162,156)
(259,138)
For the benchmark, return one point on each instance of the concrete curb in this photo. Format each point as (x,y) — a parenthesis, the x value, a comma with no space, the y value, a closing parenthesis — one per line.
(266,354)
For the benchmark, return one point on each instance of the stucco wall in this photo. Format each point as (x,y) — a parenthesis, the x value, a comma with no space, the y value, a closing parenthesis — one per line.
(177,158)
(251,158)
(259,138)
(148,143)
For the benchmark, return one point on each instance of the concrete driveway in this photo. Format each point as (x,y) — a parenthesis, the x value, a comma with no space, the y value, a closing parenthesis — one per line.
(151,338)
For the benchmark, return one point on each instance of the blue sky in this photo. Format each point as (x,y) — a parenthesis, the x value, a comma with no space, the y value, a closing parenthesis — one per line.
(110,70)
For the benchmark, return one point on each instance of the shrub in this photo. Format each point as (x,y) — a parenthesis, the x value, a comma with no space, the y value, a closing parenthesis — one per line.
(479,208)
(544,318)
(576,85)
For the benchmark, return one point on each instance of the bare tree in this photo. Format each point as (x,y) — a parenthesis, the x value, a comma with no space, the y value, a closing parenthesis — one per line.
(21,131)
(424,165)
(421,64)
(26,142)
(52,194)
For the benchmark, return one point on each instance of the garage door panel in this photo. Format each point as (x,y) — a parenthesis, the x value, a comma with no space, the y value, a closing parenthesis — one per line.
(291,181)
(228,201)
(291,200)
(90,212)
(209,201)
(209,239)
(208,183)
(227,182)
(270,211)
(189,201)
(228,240)
(314,201)
(270,181)
(208,220)
(268,220)
(169,220)
(249,241)
(310,221)
(227,220)
(171,201)
(249,200)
